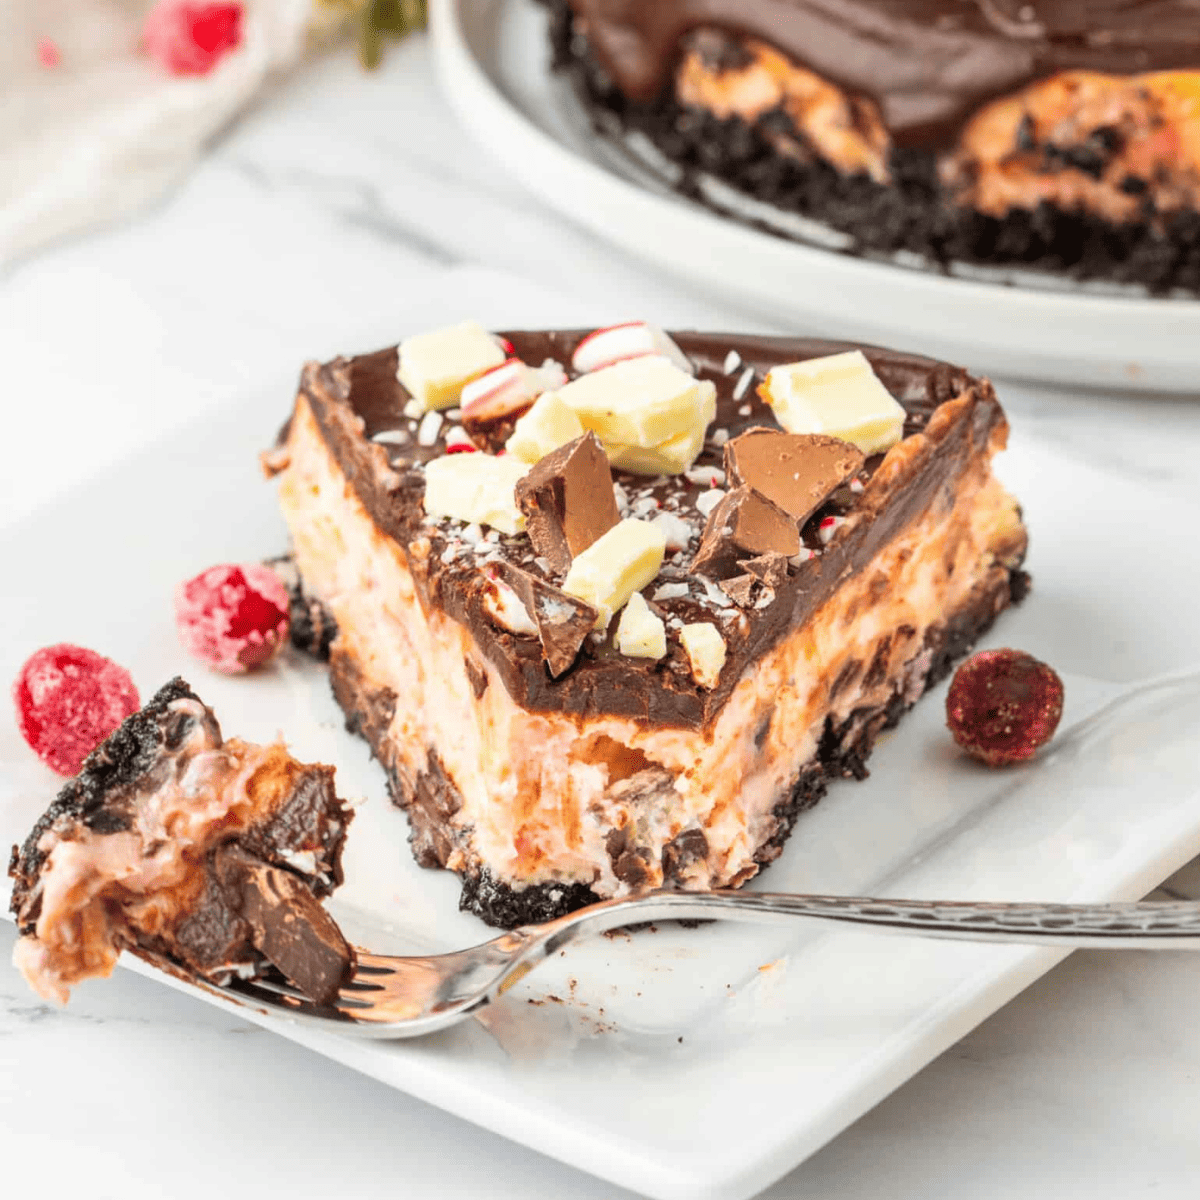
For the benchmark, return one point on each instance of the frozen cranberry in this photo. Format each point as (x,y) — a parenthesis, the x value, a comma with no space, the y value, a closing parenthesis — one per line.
(69,699)
(191,38)
(232,617)
(1003,705)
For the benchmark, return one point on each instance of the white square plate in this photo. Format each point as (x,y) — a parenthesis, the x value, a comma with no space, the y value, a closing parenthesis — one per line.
(706,1062)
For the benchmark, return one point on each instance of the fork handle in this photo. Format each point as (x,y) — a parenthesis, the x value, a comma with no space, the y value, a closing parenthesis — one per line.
(1170,925)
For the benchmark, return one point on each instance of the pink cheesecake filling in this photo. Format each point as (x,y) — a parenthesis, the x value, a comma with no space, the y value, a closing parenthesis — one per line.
(94,888)
(542,793)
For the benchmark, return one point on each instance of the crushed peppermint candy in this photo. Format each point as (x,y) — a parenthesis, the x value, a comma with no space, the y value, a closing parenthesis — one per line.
(458,441)
(644,505)
(622,498)
(802,556)
(676,531)
(857,486)
(391,437)
(733,360)
(707,501)
(711,476)
(719,437)
(716,595)
(453,414)
(472,534)
(828,527)
(670,591)
(743,384)
(428,430)
(413,409)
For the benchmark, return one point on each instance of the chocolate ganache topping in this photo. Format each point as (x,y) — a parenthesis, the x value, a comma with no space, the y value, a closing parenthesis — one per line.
(928,64)
(359,407)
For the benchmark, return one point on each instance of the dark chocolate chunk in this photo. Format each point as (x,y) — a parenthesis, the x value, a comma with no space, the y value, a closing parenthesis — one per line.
(287,923)
(797,471)
(771,569)
(568,500)
(684,849)
(741,589)
(563,622)
(491,432)
(744,522)
(630,863)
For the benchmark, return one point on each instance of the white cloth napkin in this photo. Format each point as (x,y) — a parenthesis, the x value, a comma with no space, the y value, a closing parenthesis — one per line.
(108,129)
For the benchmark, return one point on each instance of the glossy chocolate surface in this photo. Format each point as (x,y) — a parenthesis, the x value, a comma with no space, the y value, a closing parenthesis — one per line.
(928,64)
(358,405)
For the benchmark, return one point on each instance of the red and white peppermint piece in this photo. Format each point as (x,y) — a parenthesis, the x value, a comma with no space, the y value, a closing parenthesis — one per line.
(828,527)
(509,388)
(635,339)
(458,441)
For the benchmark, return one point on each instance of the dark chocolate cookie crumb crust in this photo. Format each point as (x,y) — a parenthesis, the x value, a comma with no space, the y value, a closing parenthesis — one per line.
(842,753)
(1161,254)
(126,756)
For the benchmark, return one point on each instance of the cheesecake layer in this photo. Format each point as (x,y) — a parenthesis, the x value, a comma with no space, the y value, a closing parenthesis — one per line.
(193,851)
(546,792)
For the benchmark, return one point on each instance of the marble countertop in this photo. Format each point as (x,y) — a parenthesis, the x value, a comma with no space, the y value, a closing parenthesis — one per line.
(290,240)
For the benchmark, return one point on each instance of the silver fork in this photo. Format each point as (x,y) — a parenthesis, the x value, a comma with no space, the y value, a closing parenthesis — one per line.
(391,997)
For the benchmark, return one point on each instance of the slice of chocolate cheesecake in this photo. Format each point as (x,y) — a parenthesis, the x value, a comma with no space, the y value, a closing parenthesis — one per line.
(699,577)
(206,856)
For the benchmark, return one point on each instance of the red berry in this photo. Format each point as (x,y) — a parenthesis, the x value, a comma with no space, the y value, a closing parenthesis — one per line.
(191,38)
(69,699)
(233,618)
(1003,705)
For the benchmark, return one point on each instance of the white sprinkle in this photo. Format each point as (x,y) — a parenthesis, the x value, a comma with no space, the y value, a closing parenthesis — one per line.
(428,430)
(713,476)
(674,622)
(719,437)
(733,360)
(707,501)
(622,497)
(670,591)
(453,414)
(676,530)
(644,505)
(472,535)
(856,486)
(493,536)
(743,384)
(828,527)
(716,595)
(391,437)
(451,552)
(414,408)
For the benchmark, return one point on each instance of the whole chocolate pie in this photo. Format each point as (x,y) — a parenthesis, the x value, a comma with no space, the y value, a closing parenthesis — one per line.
(1063,134)
(612,607)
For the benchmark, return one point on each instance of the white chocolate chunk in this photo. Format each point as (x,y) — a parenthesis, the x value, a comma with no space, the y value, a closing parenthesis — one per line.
(705,647)
(640,633)
(434,366)
(641,402)
(839,395)
(475,487)
(620,562)
(631,340)
(546,426)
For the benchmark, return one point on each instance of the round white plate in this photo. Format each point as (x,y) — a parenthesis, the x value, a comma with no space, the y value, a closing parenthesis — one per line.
(493,59)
